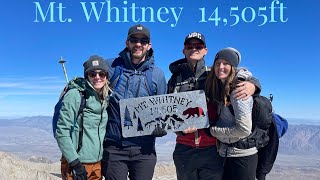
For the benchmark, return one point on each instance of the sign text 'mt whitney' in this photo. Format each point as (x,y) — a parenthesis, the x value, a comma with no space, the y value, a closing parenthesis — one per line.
(104,11)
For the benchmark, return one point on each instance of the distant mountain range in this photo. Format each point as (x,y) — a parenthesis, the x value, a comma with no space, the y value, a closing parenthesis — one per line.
(296,121)
(40,122)
(299,139)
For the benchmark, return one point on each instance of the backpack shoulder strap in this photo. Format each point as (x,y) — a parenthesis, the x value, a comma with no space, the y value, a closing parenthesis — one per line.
(149,83)
(80,113)
(117,63)
(200,76)
(116,77)
(175,83)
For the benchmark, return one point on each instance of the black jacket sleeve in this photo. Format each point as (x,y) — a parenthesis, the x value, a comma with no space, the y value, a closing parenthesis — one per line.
(257,84)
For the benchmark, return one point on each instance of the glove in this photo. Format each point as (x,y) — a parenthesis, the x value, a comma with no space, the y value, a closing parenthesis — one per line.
(159,132)
(78,170)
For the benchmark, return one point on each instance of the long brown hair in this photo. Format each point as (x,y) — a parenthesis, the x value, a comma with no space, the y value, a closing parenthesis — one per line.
(215,90)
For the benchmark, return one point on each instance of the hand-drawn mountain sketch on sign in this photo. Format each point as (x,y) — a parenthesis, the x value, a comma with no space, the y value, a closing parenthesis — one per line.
(172,112)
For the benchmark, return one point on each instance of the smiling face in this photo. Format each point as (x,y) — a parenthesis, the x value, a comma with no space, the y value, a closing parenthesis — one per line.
(194,50)
(138,46)
(97,78)
(222,69)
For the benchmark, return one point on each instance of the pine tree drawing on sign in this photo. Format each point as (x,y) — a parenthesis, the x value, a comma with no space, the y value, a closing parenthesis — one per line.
(139,128)
(127,120)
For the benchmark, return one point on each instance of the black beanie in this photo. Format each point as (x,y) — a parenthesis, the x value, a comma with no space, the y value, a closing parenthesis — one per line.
(93,63)
(195,35)
(229,54)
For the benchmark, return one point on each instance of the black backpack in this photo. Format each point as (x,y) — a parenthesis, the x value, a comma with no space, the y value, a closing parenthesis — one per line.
(262,119)
(267,128)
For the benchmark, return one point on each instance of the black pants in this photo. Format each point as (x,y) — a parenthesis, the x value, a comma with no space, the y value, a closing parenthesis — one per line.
(197,163)
(240,168)
(136,162)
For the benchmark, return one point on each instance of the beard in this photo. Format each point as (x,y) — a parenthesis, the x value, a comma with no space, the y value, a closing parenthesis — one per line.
(136,55)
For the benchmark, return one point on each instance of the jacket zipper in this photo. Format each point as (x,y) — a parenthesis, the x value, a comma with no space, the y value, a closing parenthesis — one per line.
(101,114)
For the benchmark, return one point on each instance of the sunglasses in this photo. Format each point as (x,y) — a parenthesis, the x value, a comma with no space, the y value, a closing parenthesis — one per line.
(143,41)
(197,46)
(93,74)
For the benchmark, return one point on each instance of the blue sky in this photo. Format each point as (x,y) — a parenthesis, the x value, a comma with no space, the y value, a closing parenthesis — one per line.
(282,55)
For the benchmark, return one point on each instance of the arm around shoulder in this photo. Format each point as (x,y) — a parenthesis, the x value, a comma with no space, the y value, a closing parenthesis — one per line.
(257,84)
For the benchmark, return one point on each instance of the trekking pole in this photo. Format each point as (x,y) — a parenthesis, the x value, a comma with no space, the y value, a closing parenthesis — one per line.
(64,69)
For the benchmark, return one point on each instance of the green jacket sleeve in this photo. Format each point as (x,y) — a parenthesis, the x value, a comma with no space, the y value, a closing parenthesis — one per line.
(67,114)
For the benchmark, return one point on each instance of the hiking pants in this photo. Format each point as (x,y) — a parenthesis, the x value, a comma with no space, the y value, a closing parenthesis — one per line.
(93,170)
(192,163)
(134,162)
(240,168)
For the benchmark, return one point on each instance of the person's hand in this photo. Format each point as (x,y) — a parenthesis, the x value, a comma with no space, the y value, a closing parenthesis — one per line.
(244,90)
(78,170)
(159,132)
(190,130)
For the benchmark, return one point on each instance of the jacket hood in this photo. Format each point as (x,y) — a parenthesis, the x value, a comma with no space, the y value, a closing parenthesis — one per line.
(125,54)
(77,83)
(81,84)
(181,64)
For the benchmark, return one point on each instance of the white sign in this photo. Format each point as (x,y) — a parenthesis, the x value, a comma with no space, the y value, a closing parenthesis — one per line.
(172,112)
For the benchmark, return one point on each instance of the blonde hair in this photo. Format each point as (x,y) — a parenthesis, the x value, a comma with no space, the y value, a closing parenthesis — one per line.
(215,90)
(105,89)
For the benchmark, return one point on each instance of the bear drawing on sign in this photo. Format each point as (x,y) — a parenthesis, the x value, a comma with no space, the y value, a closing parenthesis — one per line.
(193,111)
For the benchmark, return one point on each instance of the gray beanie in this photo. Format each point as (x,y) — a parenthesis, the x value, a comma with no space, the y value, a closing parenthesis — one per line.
(229,54)
(93,63)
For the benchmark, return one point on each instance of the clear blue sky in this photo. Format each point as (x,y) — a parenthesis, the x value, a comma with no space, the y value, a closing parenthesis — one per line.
(282,55)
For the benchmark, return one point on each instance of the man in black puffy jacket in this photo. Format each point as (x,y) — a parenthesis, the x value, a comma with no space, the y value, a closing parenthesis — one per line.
(195,155)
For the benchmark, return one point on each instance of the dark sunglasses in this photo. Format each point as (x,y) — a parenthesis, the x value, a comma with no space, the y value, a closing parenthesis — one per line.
(197,46)
(93,74)
(143,41)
